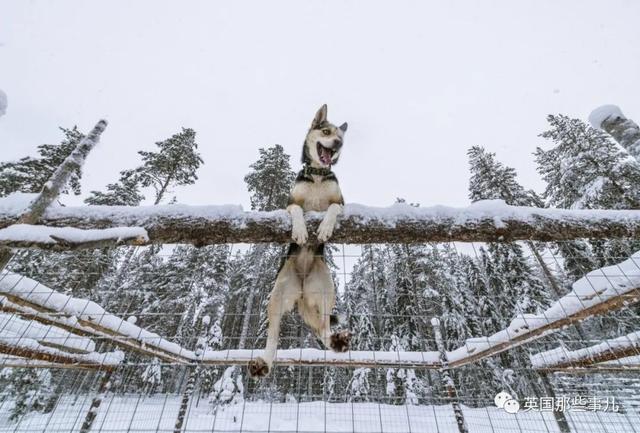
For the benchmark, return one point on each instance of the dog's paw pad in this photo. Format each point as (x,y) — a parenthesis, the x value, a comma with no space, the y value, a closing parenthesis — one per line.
(340,341)
(258,368)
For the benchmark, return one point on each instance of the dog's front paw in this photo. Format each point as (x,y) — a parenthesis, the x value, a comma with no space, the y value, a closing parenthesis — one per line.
(340,341)
(299,234)
(325,230)
(258,368)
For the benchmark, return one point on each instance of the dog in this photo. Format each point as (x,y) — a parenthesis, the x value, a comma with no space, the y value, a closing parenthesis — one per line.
(304,278)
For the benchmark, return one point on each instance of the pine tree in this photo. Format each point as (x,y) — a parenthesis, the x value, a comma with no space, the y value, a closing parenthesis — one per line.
(174,164)
(29,174)
(270,180)
(29,389)
(125,192)
(585,169)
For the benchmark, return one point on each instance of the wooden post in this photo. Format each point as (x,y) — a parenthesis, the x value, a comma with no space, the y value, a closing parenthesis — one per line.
(452,394)
(105,385)
(55,184)
(563,424)
(625,131)
(191,383)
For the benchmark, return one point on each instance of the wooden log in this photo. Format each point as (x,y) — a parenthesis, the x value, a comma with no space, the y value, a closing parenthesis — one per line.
(491,221)
(608,350)
(32,311)
(526,336)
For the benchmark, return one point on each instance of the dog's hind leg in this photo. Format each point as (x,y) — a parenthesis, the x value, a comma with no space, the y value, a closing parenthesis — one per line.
(285,293)
(318,300)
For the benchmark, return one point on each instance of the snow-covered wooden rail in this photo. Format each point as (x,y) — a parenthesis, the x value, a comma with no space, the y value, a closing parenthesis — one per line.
(34,301)
(485,221)
(608,350)
(600,291)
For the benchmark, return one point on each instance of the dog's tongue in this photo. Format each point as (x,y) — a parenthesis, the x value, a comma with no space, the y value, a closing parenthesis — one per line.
(325,156)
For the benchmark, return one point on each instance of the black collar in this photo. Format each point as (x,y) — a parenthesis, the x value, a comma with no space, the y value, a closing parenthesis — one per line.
(309,170)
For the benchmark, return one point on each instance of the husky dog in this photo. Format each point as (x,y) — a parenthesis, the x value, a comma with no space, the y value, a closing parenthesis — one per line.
(304,278)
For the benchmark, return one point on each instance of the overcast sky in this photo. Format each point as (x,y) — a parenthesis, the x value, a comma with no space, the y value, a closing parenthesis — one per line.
(418,82)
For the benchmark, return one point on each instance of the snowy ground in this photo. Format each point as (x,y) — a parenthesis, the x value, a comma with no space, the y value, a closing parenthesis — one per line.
(158,414)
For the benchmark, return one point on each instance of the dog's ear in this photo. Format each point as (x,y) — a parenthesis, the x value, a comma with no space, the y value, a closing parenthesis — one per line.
(321,117)
(343,127)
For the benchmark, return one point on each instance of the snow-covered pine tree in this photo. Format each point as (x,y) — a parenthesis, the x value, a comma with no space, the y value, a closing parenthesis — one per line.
(514,286)
(29,174)
(586,170)
(152,377)
(124,192)
(29,389)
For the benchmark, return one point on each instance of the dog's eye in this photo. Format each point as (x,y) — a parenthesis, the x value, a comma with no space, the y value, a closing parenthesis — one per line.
(326,131)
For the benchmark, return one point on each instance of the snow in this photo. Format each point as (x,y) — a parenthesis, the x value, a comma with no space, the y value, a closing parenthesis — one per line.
(36,293)
(123,413)
(435,321)
(16,204)
(46,235)
(562,355)
(602,113)
(317,356)
(206,320)
(234,217)
(596,287)
(14,327)
(3,103)
(25,343)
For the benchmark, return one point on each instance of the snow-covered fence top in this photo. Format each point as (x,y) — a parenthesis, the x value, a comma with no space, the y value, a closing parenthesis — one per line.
(484,221)
(35,301)
(598,292)
(608,350)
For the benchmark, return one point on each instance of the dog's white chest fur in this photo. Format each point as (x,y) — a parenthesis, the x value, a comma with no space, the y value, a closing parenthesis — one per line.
(317,195)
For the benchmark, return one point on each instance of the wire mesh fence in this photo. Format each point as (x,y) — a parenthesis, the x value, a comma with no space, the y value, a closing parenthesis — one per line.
(175,324)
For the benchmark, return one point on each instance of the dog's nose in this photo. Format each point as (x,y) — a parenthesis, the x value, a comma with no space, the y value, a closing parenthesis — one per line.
(337,143)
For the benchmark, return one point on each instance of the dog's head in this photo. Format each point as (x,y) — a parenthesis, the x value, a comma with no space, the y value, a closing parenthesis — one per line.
(324,141)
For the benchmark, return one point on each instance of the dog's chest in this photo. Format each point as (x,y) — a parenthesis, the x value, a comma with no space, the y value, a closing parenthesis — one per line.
(317,195)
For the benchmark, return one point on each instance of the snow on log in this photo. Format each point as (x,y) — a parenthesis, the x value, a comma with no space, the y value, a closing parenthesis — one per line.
(48,335)
(310,357)
(17,362)
(608,350)
(35,301)
(54,238)
(484,221)
(598,292)
(30,348)
(625,131)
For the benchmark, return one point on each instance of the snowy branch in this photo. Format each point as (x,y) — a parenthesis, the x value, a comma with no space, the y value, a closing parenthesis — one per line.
(485,221)
(600,291)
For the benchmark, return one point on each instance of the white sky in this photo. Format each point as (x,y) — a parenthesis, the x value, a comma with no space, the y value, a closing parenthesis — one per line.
(418,82)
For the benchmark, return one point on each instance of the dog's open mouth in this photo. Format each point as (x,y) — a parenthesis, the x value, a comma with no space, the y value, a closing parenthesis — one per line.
(325,154)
